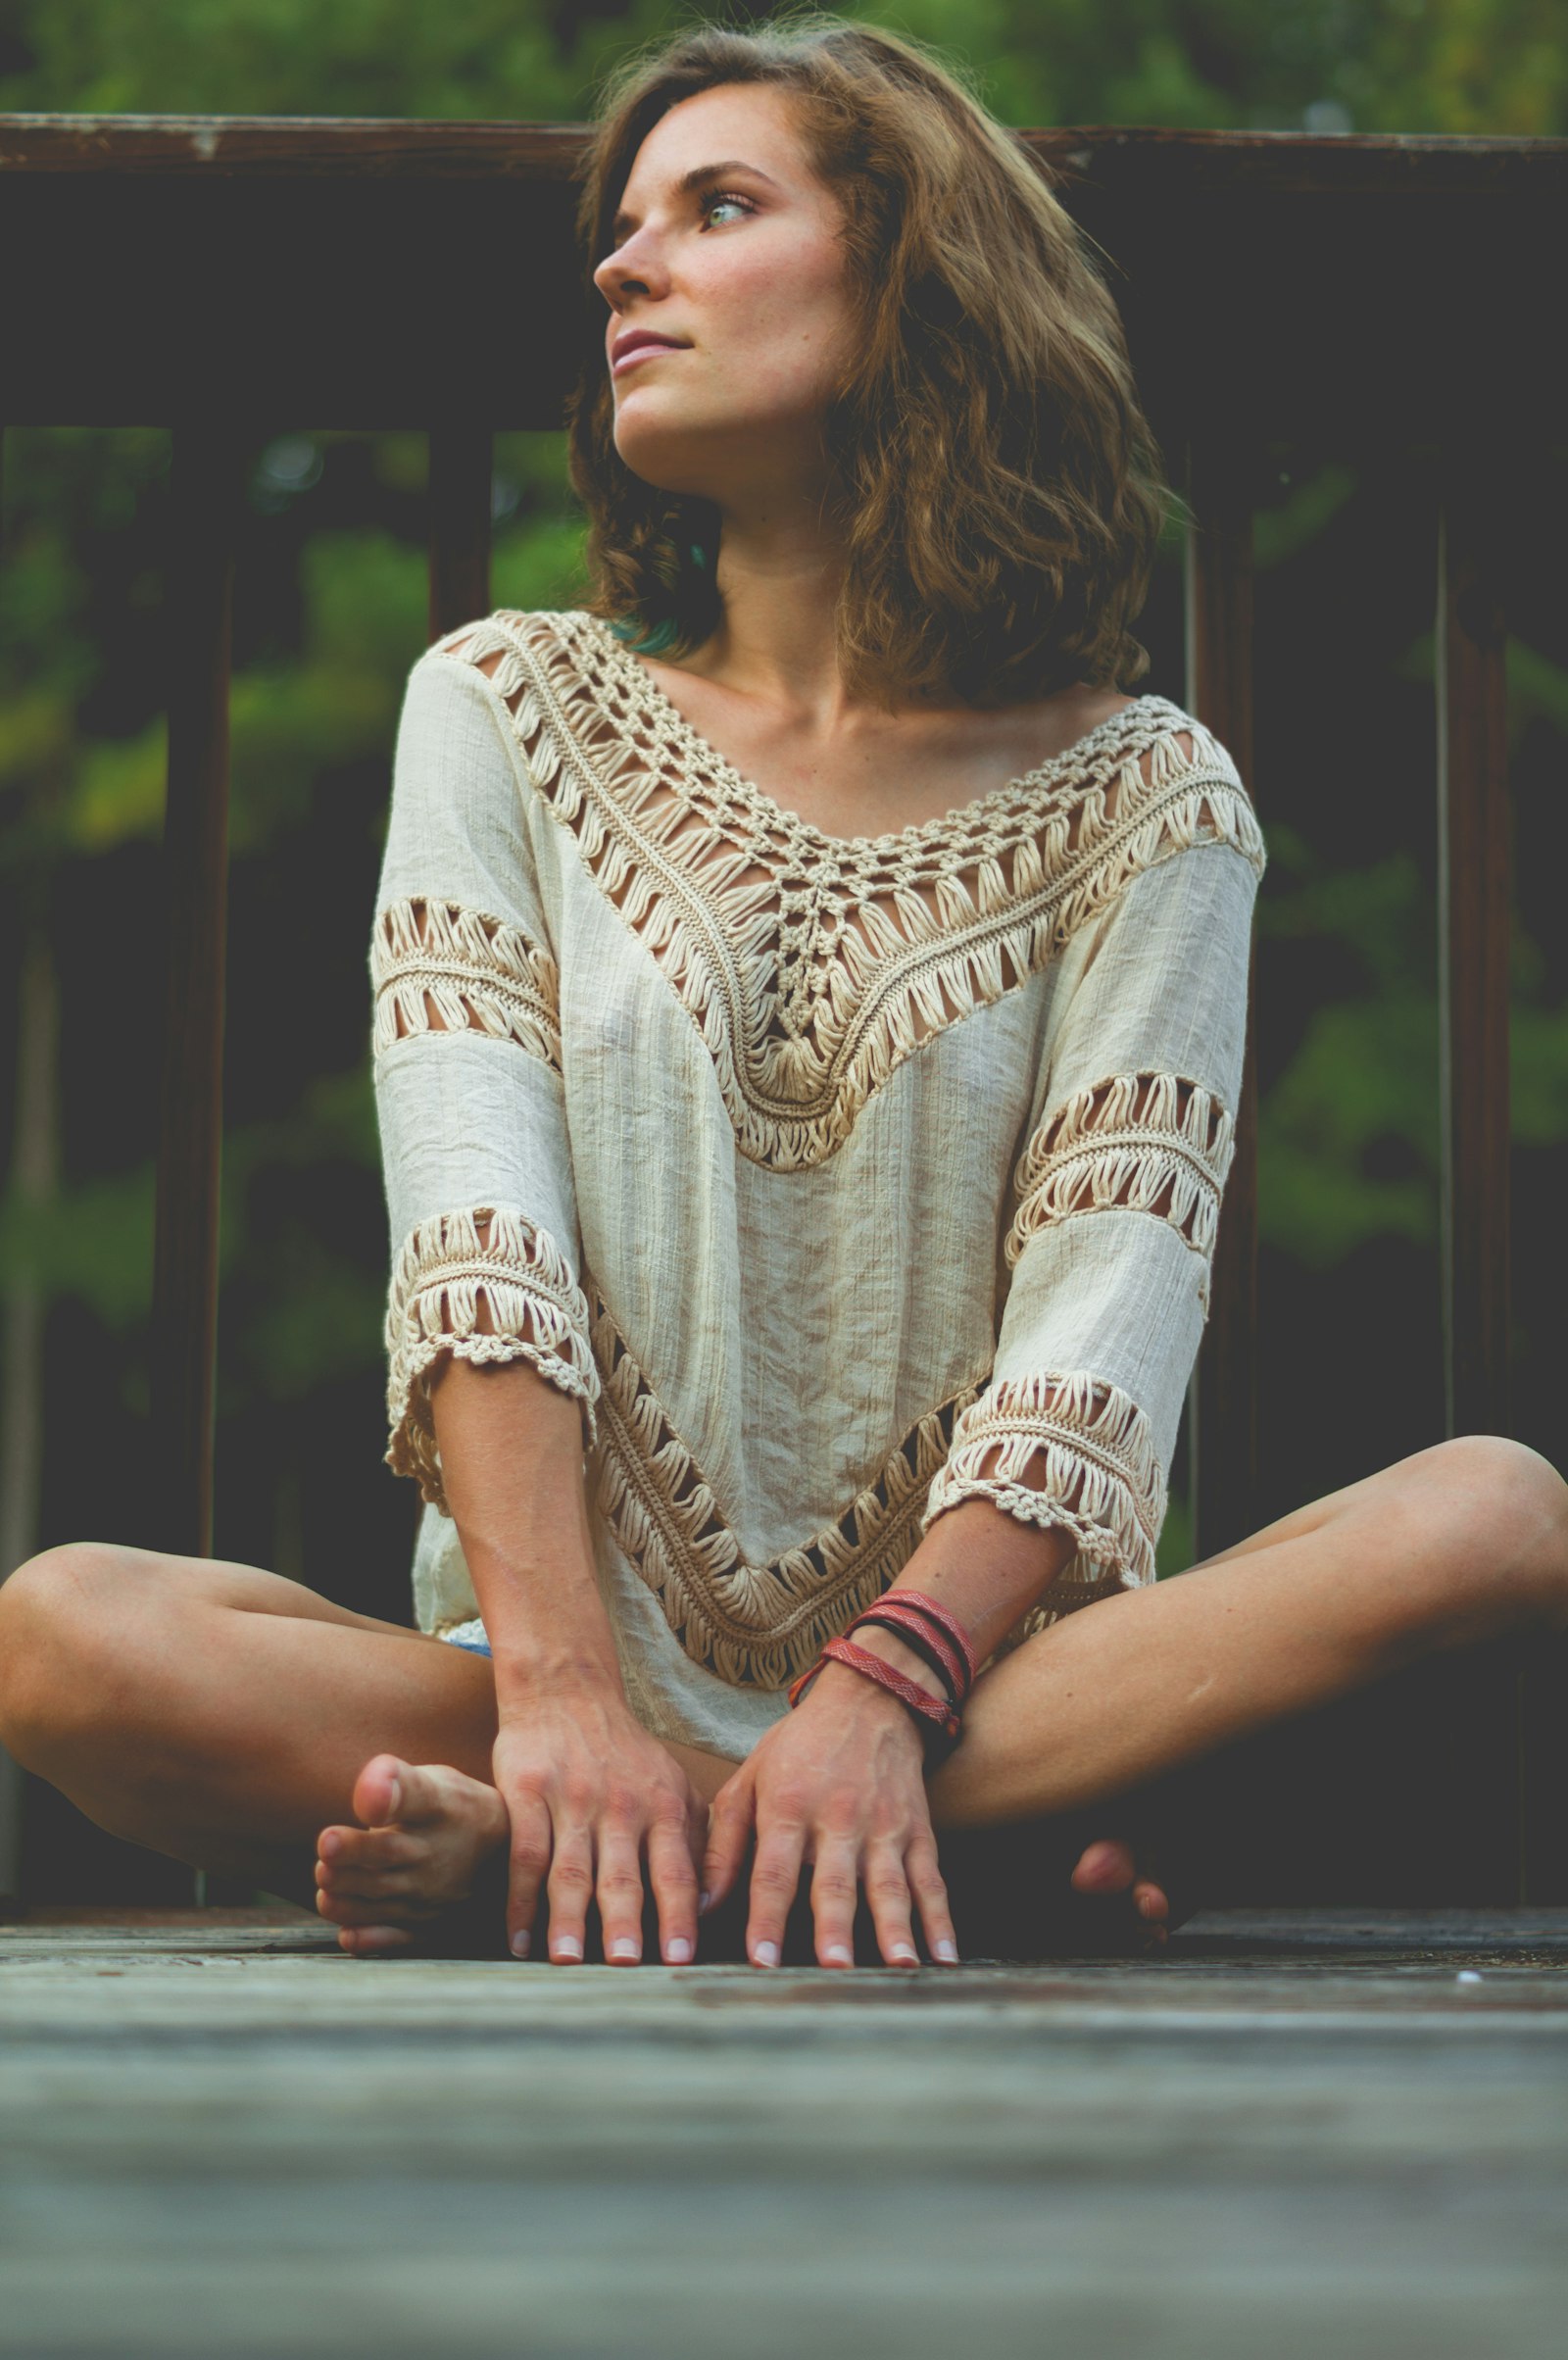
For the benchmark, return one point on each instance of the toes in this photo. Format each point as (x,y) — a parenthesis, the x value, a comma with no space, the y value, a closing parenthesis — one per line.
(1106,1867)
(365,1941)
(364,1884)
(355,1909)
(372,1848)
(1149,1902)
(379,1789)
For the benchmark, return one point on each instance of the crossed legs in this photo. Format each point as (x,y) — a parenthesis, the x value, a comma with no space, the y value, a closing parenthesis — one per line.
(226,1716)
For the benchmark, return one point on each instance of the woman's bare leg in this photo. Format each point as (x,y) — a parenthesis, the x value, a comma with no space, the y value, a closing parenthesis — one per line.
(1454,1546)
(228,1717)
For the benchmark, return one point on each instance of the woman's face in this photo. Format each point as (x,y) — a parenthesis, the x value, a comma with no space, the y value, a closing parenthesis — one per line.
(744,269)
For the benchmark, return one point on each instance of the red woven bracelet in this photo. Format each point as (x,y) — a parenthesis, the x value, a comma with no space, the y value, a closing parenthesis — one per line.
(942,1618)
(919,1700)
(934,1647)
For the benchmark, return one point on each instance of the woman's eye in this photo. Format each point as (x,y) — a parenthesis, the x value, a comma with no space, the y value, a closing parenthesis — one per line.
(724,198)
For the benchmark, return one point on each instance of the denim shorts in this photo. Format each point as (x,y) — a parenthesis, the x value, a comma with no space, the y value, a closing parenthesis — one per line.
(470,1635)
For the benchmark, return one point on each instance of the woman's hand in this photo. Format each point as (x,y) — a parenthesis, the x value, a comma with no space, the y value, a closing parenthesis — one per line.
(840,1782)
(590,1793)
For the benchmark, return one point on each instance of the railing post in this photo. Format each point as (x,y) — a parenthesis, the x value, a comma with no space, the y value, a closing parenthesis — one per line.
(202,500)
(1222,1401)
(1473,924)
(1474,918)
(460,463)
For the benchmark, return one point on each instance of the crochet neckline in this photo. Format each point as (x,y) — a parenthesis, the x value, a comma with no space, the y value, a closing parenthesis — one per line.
(777,815)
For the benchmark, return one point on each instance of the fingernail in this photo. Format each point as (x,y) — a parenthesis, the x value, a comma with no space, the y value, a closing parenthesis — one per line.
(519,1944)
(902,1956)
(947,1951)
(624,1947)
(566,1947)
(765,1955)
(705,1902)
(836,1955)
(677,1951)
(329,1846)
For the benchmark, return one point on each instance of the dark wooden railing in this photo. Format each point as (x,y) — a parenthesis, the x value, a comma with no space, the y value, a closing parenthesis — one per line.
(220,273)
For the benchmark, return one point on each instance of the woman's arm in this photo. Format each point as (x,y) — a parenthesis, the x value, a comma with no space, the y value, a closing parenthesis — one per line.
(875,1828)
(492,1384)
(585,1785)
(1054,1480)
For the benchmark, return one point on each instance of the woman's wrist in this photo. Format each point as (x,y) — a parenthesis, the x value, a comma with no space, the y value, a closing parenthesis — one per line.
(880,1642)
(843,1690)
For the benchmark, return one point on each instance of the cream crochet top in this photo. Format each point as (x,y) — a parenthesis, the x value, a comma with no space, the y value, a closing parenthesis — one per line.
(838,1179)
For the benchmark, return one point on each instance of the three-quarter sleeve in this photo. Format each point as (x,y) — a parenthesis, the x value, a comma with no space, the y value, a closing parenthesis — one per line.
(480,1191)
(1110,1227)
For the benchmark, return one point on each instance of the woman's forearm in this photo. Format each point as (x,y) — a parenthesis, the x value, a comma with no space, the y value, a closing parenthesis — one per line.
(982,1564)
(512,1459)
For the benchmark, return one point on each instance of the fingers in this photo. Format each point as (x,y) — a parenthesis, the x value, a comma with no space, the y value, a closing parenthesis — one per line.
(621,1896)
(835,1889)
(673,1875)
(775,1879)
(930,1893)
(570,1888)
(526,1869)
(729,1830)
(887,1892)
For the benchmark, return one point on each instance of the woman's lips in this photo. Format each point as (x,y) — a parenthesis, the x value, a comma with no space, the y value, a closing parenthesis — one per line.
(642,352)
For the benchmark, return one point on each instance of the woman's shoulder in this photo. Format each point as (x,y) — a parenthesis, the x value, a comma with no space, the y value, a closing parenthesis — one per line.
(487,640)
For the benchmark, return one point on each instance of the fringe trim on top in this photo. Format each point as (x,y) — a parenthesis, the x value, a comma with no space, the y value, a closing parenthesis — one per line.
(813,966)
(481,974)
(1102,1480)
(753,1625)
(444,1276)
(1098,1152)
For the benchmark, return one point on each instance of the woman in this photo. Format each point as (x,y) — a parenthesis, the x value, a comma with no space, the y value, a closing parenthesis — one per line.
(802,1193)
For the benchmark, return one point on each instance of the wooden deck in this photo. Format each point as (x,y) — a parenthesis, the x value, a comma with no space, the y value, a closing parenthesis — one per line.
(1292,2137)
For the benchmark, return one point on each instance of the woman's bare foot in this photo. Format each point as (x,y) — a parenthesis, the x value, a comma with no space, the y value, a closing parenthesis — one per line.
(1111,1866)
(428,1832)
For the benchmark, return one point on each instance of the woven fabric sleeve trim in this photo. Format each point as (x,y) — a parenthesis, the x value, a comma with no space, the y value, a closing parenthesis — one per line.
(477,972)
(1071,1452)
(1152,1143)
(484,1284)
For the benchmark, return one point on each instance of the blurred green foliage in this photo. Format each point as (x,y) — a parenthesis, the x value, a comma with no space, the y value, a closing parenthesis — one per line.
(330,613)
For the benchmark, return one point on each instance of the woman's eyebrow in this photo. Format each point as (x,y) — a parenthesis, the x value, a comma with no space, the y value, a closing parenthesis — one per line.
(699,175)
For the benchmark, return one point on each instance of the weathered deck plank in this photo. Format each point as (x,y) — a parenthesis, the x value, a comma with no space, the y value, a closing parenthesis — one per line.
(1288,2136)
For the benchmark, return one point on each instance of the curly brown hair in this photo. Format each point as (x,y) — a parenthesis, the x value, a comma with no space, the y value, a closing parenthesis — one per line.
(1001,493)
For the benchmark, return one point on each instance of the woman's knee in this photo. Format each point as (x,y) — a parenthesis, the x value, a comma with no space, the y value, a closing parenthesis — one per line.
(64,1651)
(1513,1529)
